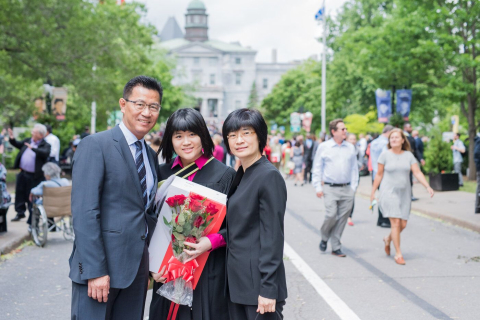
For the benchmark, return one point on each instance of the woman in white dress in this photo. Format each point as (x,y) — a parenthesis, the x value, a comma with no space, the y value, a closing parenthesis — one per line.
(394,166)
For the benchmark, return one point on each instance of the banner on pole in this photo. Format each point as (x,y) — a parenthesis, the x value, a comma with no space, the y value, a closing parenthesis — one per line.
(384,105)
(295,122)
(319,14)
(404,102)
(59,102)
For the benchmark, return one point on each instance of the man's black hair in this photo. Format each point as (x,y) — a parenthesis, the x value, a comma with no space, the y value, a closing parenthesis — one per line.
(49,128)
(143,81)
(246,118)
(187,119)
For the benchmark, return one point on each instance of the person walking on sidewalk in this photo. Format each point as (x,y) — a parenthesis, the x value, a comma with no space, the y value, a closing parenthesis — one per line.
(335,177)
(458,148)
(394,166)
(33,155)
(376,148)
(476,157)
(54,142)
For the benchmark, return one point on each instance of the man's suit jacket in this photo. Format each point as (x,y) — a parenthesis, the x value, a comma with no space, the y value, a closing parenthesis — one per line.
(307,152)
(255,234)
(108,210)
(419,146)
(42,152)
(413,145)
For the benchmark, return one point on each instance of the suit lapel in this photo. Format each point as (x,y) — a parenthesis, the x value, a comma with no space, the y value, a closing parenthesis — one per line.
(122,147)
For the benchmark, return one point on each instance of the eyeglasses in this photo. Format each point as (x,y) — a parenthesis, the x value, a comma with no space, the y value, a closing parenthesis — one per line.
(244,134)
(140,106)
(343,129)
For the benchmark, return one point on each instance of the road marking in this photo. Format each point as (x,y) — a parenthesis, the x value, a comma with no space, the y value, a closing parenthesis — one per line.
(337,304)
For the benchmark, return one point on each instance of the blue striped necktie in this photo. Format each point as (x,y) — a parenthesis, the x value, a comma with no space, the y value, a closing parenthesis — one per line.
(142,172)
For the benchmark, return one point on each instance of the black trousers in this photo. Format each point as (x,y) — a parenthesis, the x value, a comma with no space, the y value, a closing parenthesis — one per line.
(381,218)
(307,175)
(24,183)
(245,312)
(122,304)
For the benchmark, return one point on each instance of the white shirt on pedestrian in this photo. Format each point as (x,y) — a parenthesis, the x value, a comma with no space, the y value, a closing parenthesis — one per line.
(54,142)
(457,155)
(335,163)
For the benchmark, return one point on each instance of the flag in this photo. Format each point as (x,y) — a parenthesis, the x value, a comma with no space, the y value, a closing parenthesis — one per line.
(319,14)
(384,105)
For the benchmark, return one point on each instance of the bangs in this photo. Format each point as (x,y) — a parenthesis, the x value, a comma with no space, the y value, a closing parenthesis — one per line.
(185,122)
(244,120)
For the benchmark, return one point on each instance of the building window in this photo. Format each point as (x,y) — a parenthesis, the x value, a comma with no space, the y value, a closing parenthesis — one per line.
(238,79)
(212,79)
(238,104)
(238,60)
(213,61)
(196,61)
(265,83)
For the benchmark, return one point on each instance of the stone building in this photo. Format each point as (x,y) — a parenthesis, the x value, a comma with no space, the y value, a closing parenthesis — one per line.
(222,74)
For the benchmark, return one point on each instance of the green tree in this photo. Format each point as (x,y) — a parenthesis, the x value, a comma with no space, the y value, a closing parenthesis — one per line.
(357,123)
(92,48)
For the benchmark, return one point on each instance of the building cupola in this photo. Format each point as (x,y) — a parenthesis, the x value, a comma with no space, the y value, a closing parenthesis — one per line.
(196,22)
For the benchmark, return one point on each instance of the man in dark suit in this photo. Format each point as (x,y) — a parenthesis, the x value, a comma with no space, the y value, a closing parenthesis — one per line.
(33,155)
(114,184)
(308,147)
(407,130)
(419,147)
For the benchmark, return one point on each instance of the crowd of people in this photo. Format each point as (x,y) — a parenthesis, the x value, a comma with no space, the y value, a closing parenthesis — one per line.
(240,160)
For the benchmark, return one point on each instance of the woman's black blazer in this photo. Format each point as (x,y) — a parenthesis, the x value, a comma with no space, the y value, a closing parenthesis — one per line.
(255,234)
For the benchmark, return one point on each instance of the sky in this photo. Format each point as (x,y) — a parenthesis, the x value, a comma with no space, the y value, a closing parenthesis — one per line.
(286,25)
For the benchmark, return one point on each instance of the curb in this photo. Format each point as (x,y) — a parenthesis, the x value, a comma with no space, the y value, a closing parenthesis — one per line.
(457,222)
(14,243)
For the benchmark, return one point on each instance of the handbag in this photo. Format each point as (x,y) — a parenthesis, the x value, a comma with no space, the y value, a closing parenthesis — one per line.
(279,316)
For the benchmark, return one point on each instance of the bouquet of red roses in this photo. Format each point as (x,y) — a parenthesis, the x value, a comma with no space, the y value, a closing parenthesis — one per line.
(192,218)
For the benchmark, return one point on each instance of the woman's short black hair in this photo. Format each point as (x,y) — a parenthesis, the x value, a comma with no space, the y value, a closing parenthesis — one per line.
(246,118)
(187,119)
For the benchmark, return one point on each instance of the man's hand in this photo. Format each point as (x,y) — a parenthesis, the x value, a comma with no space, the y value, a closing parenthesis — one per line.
(266,305)
(29,146)
(98,288)
(320,194)
(422,162)
(10,133)
(30,197)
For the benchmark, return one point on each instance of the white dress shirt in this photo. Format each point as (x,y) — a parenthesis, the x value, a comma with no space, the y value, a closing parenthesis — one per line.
(335,163)
(54,142)
(131,139)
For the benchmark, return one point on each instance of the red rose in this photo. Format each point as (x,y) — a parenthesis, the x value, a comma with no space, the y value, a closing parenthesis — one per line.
(195,205)
(198,222)
(173,237)
(180,199)
(176,219)
(196,197)
(191,239)
(171,202)
(211,209)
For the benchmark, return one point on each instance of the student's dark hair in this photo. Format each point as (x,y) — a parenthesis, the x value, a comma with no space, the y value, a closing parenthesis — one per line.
(49,128)
(242,118)
(143,81)
(187,119)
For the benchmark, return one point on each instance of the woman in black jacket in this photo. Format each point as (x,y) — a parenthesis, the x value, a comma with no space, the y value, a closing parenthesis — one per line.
(186,135)
(256,283)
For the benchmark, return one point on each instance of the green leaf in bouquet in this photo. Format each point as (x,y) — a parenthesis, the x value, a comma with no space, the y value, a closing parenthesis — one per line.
(179,229)
(181,219)
(166,222)
(187,228)
(178,236)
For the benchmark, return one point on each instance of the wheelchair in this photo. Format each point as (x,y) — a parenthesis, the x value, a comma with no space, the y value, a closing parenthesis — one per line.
(54,213)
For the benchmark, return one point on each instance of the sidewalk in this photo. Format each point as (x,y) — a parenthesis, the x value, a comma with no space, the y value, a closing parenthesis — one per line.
(16,232)
(456,207)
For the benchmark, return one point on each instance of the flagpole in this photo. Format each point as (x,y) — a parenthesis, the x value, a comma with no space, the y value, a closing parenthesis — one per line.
(324,69)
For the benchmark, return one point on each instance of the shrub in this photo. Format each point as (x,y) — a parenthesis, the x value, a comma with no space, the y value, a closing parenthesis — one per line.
(438,156)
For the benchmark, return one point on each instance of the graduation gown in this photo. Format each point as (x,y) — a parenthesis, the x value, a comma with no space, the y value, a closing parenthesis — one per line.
(209,301)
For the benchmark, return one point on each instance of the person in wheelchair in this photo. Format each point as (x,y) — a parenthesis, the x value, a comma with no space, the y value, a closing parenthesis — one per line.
(51,171)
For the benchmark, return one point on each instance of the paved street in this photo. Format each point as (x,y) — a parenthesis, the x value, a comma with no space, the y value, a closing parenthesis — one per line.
(441,279)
